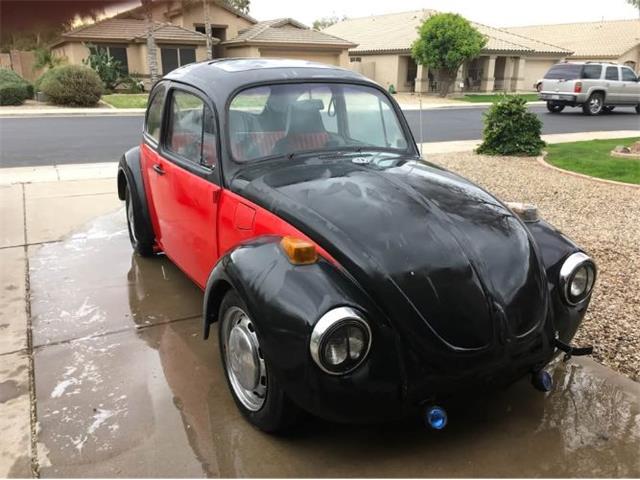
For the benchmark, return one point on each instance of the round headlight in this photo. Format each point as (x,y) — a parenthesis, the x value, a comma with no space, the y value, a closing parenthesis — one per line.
(577,277)
(340,341)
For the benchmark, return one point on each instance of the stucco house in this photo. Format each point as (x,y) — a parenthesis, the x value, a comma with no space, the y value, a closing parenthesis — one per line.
(610,41)
(509,62)
(125,40)
(179,33)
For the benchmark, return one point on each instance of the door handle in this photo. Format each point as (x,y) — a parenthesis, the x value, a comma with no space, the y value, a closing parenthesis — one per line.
(158,169)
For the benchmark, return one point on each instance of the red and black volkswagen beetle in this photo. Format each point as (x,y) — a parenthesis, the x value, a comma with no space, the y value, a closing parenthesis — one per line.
(349,277)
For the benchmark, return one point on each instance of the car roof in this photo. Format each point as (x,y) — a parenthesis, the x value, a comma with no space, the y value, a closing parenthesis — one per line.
(220,78)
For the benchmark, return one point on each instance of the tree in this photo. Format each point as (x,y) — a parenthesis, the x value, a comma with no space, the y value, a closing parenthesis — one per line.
(635,3)
(240,5)
(325,22)
(445,42)
(207,28)
(152,55)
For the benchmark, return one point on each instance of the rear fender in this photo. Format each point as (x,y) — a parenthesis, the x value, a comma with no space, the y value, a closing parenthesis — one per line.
(130,175)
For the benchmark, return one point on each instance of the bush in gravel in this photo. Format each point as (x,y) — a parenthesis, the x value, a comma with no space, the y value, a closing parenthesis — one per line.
(14,89)
(509,129)
(73,85)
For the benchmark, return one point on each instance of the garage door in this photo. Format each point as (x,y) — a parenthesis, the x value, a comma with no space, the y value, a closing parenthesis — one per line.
(322,57)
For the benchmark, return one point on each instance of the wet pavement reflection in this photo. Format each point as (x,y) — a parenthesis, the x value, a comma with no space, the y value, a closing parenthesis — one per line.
(126,387)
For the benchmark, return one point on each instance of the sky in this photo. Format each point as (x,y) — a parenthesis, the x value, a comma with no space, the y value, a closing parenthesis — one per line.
(498,13)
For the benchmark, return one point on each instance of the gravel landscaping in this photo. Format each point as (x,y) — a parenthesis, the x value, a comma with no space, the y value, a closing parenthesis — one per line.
(604,219)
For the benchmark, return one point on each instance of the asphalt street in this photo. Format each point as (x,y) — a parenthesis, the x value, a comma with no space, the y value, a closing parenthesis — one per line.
(32,141)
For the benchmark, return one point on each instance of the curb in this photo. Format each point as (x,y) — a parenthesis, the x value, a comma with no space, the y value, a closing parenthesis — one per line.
(461,106)
(542,161)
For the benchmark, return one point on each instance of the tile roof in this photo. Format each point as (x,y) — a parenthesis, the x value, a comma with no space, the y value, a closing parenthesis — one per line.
(593,39)
(286,30)
(130,30)
(139,10)
(396,32)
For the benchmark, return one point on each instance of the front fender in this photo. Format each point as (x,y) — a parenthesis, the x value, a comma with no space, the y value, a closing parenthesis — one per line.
(284,302)
(555,247)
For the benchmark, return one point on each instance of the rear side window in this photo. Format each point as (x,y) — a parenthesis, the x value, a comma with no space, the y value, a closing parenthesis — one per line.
(628,75)
(191,129)
(592,72)
(612,73)
(154,113)
(564,71)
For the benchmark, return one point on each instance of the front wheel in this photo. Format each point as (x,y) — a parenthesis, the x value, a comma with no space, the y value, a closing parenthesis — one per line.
(138,237)
(255,390)
(554,107)
(594,105)
(638,109)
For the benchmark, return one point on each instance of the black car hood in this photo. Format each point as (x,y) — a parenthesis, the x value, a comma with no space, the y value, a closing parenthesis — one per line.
(440,256)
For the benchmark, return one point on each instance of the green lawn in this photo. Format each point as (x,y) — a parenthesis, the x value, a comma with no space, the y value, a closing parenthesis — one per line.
(491,98)
(126,100)
(593,158)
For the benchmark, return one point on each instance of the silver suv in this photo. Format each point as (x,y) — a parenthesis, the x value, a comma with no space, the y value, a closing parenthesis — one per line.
(596,87)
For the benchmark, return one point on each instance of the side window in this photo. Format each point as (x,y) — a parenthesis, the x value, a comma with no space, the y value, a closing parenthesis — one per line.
(628,75)
(591,72)
(191,129)
(154,113)
(612,73)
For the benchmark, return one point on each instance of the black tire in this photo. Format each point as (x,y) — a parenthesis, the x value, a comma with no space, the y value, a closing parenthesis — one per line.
(608,109)
(554,107)
(638,109)
(138,236)
(277,413)
(594,105)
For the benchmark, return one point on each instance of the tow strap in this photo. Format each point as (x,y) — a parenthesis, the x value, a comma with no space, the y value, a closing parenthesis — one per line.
(570,351)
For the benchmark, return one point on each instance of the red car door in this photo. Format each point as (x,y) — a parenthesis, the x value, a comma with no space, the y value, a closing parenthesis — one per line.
(183,184)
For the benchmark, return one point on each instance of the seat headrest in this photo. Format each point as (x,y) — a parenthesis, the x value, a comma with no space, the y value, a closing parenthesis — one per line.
(304,117)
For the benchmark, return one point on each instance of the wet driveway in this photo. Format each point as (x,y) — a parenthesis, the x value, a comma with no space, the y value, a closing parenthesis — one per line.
(126,387)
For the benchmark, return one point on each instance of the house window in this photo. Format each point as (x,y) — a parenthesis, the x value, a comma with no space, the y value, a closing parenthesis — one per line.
(117,52)
(355,59)
(174,57)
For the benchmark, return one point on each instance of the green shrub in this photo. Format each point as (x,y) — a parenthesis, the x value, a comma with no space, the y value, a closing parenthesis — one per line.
(37,85)
(13,93)
(18,89)
(509,129)
(73,85)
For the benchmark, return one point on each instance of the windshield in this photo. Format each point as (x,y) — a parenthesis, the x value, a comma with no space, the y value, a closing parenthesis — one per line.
(292,118)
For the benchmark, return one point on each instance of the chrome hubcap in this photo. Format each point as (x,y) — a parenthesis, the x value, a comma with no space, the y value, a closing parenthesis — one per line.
(595,104)
(244,363)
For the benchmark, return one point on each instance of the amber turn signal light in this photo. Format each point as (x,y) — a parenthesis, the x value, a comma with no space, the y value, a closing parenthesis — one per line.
(300,252)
